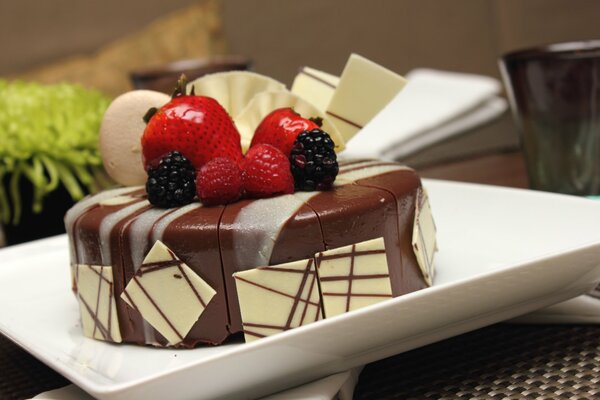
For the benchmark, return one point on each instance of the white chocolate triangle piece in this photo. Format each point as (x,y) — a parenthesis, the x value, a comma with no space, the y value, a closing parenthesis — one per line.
(352,277)
(97,305)
(365,88)
(317,87)
(277,298)
(168,294)
(424,236)
(264,103)
(234,89)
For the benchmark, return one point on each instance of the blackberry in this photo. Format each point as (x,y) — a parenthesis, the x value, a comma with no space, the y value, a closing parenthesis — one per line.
(313,161)
(171,183)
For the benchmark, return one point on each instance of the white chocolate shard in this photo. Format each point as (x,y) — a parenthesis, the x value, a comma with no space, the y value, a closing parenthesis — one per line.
(316,87)
(424,236)
(97,305)
(264,103)
(365,88)
(277,298)
(234,89)
(121,133)
(354,276)
(168,294)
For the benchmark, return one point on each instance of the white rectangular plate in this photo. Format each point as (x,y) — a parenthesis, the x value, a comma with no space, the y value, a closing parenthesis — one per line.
(503,253)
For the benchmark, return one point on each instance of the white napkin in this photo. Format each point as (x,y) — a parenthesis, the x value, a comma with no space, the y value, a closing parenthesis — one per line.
(584,309)
(433,106)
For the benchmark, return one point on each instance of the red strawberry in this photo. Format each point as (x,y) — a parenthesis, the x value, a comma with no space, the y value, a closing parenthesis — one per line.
(266,172)
(280,129)
(196,126)
(219,181)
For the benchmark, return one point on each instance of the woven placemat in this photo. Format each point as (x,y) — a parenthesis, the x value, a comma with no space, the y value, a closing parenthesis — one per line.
(22,376)
(498,362)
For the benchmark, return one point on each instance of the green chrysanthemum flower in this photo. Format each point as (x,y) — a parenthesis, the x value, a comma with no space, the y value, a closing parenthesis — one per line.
(48,135)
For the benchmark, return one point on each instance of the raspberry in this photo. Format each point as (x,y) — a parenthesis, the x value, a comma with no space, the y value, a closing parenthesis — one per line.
(267,172)
(219,182)
(313,160)
(171,182)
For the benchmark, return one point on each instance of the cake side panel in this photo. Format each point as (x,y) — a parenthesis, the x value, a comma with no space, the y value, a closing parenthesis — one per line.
(194,238)
(96,237)
(256,233)
(351,214)
(405,186)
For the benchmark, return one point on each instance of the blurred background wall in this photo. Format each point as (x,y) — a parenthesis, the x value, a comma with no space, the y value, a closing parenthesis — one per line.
(281,35)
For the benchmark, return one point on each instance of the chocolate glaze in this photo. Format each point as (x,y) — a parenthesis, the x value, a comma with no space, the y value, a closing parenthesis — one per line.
(205,238)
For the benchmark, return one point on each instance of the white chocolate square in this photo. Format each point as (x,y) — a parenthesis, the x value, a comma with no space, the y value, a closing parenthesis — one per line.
(424,236)
(277,298)
(365,88)
(168,294)
(352,277)
(97,305)
(316,87)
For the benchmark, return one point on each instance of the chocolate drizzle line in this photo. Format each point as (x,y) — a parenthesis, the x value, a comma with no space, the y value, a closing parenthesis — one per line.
(306,272)
(351,277)
(353,253)
(310,291)
(312,303)
(354,277)
(298,294)
(103,331)
(98,325)
(157,266)
(334,294)
(98,297)
(187,279)
(151,300)
(354,124)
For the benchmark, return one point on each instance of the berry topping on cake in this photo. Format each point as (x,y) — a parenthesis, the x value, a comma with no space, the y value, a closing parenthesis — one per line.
(196,126)
(313,161)
(219,182)
(280,128)
(267,172)
(171,181)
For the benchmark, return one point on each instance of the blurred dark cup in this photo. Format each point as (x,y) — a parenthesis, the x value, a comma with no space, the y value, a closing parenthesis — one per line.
(554,93)
(163,78)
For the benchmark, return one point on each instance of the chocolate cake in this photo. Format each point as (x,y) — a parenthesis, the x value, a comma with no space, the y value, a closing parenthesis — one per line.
(112,233)
(247,221)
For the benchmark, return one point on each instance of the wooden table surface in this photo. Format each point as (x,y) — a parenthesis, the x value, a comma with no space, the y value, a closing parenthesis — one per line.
(506,168)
